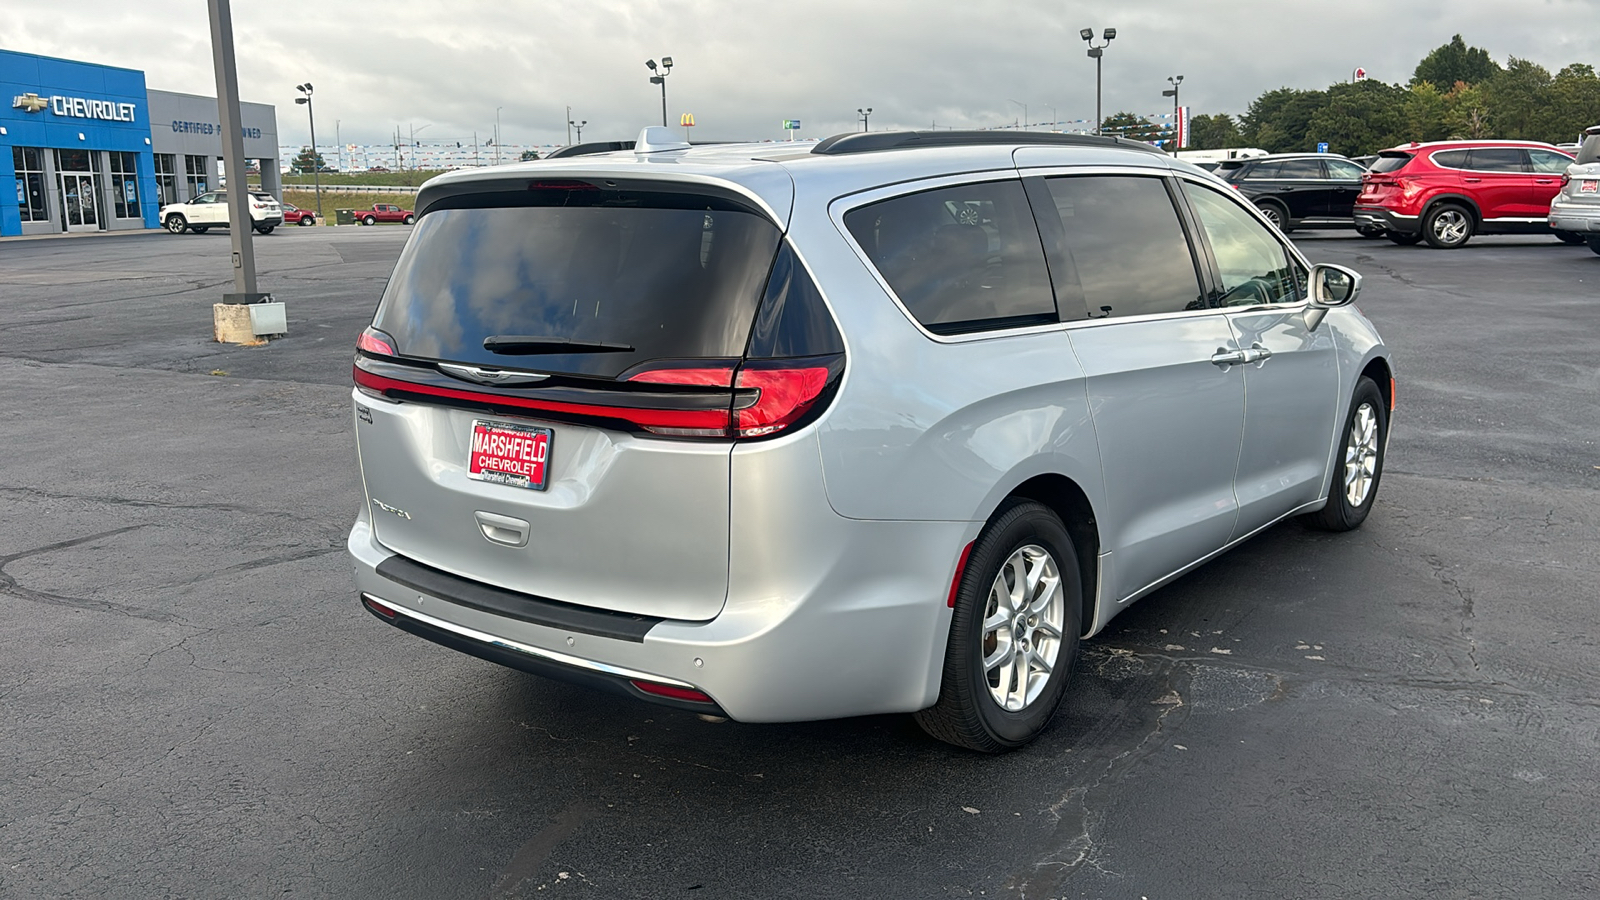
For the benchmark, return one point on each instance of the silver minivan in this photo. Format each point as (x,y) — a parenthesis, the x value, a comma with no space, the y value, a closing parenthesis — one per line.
(885,423)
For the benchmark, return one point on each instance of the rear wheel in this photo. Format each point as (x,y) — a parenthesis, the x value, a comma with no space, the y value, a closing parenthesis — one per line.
(1359,466)
(1404,240)
(369,220)
(1367,231)
(306,220)
(177,224)
(410,219)
(199,229)
(1277,215)
(1448,226)
(1568,237)
(265,229)
(1594,242)
(1014,635)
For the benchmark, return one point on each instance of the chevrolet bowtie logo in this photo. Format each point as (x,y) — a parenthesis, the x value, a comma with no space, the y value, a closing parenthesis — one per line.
(30,102)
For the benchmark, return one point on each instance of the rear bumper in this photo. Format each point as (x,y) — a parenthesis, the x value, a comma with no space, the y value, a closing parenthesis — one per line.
(1584,219)
(267,221)
(1388,220)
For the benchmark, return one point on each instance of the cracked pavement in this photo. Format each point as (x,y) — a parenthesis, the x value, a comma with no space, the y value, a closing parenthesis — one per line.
(197,707)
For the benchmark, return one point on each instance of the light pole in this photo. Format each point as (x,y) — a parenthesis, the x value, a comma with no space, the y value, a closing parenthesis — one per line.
(1024,112)
(497,134)
(1177,123)
(1055,120)
(866,118)
(338,143)
(578,125)
(661,79)
(569,126)
(414,154)
(1096,53)
(316,170)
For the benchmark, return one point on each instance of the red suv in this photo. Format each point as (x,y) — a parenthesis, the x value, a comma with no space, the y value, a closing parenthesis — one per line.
(1445,192)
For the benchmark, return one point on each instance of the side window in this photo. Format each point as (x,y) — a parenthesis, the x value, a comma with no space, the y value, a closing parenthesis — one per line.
(961,259)
(1301,168)
(1254,267)
(1451,159)
(1343,169)
(1548,162)
(1497,159)
(1120,247)
(1264,172)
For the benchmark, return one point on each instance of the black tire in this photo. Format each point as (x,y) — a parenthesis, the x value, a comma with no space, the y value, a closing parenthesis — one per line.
(177,224)
(967,714)
(306,220)
(1341,514)
(1404,240)
(1448,226)
(265,229)
(1367,231)
(410,219)
(1568,237)
(369,220)
(1277,214)
(1594,242)
(199,229)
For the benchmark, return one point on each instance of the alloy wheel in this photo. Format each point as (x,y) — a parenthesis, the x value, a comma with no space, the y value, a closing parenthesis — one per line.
(1361,456)
(1022,628)
(1450,226)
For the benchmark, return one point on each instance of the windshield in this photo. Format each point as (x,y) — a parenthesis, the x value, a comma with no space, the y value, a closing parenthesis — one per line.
(669,283)
(1390,162)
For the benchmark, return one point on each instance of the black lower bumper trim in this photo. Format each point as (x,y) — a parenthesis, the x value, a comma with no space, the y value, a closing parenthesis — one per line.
(513,605)
(513,659)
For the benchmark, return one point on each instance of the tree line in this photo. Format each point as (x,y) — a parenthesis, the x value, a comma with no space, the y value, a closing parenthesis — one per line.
(1456,92)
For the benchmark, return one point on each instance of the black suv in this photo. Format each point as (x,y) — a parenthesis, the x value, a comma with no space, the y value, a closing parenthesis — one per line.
(1298,190)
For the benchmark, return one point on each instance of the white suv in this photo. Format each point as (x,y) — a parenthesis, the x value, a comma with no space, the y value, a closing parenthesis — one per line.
(210,210)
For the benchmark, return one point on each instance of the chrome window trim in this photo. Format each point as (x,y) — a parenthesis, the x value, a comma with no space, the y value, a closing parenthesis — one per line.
(1523,147)
(838,208)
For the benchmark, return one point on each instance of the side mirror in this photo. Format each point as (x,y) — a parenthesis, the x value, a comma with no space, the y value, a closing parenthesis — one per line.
(1331,287)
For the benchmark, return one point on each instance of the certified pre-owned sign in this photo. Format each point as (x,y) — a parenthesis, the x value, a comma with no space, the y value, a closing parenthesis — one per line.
(75,107)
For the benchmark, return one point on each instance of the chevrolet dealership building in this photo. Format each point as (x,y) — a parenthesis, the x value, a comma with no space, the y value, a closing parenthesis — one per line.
(92,149)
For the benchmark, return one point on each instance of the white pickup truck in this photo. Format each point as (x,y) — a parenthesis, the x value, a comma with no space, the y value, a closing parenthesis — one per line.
(210,210)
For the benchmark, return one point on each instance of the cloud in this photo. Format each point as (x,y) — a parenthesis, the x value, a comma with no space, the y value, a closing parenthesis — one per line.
(742,67)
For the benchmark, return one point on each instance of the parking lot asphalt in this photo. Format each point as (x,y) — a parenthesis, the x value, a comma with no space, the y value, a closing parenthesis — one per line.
(196,706)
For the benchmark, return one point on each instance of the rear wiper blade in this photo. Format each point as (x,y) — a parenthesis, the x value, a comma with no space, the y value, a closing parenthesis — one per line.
(528,344)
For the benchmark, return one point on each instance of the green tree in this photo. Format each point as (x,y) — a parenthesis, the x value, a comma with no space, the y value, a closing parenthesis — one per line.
(1214,132)
(1517,100)
(1468,115)
(1128,125)
(1574,102)
(529,154)
(1359,117)
(1454,62)
(1427,114)
(306,160)
(1278,121)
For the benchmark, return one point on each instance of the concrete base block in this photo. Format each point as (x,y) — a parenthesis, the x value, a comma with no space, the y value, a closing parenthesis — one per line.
(230,324)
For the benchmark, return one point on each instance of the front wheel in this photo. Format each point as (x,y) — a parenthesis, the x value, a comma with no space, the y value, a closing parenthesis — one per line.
(1447,227)
(1404,240)
(177,224)
(1014,635)
(1569,237)
(1359,466)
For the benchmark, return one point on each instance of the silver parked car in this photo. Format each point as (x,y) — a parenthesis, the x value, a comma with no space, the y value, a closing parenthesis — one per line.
(886,423)
(1576,209)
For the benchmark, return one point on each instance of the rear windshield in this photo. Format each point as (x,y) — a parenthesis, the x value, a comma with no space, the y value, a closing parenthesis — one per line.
(1590,151)
(675,280)
(1389,162)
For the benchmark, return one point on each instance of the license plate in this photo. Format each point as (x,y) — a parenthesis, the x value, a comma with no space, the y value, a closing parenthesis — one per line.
(1589,187)
(510,454)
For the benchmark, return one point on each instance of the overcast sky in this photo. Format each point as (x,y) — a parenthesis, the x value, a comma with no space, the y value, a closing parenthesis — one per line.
(742,66)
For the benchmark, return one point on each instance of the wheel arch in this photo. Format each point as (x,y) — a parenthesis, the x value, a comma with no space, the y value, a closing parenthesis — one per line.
(1071,504)
(1461,200)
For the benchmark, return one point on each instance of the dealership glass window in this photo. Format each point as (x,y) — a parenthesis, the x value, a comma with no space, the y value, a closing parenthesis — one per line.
(195,174)
(167,177)
(125,185)
(73,161)
(29,163)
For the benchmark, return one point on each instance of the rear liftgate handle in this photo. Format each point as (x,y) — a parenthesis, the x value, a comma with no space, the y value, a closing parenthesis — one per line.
(502,530)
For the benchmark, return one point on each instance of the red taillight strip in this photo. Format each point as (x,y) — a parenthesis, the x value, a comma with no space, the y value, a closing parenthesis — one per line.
(676,693)
(710,420)
(961,569)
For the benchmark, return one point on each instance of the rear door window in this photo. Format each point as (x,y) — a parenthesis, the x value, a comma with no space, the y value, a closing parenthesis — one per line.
(623,277)
(1497,159)
(1121,249)
(1301,168)
(961,259)
(1266,171)
(1344,169)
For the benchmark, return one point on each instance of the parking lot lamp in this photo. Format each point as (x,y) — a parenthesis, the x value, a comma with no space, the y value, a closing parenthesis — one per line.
(1024,112)
(866,118)
(661,79)
(1096,54)
(578,125)
(316,169)
(1177,124)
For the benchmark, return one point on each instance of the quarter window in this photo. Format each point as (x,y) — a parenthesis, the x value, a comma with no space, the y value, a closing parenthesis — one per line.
(29,166)
(961,259)
(1548,162)
(1119,248)
(1254,267)
(1451,159)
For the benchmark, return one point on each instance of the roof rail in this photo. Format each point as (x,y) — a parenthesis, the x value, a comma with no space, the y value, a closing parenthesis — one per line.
(589,149)
(867,142)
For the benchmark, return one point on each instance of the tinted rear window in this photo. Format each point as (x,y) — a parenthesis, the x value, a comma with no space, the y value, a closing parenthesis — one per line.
(1390,162)
(672,283)
(1590,151)
(1451,159)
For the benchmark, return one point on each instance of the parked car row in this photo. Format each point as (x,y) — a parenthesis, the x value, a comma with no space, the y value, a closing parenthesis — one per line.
(1576,209)
(210,210)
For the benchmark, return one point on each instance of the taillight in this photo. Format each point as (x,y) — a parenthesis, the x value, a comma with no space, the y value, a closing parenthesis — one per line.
(787,393)
(667,690)
(702,376)
(376,342)
(1565,179)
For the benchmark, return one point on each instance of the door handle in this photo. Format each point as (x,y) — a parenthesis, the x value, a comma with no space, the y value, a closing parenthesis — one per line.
(1544,181)
(1225,357)
(502,529)
(1472,180)
(1257,354)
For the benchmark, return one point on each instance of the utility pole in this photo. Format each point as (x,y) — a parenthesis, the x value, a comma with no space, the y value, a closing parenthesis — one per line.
(244,256)
(1097,53)
(569,126)
(497,134)
(339,144)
